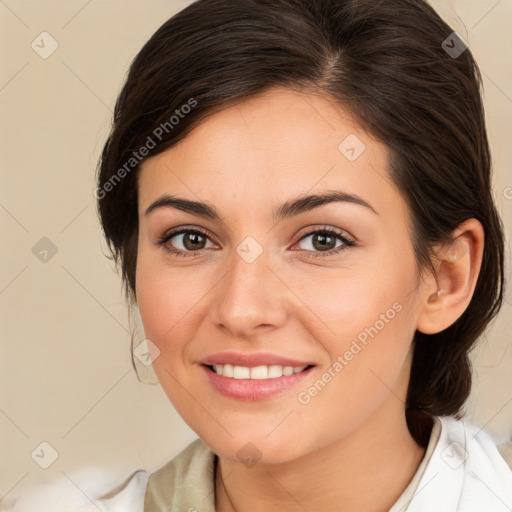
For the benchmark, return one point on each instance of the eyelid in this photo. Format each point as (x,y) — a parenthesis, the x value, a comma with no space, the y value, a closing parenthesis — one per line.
(316,228)
(162,239)
(348,240)
(305,231)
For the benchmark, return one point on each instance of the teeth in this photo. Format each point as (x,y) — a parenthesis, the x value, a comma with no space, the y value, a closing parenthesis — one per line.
(259,372)
(226,370)
(241,372)
(275,370)
(256,372)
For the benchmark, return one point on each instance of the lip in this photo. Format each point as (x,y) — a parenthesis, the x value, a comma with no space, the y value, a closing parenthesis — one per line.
(253,389)
(254,359)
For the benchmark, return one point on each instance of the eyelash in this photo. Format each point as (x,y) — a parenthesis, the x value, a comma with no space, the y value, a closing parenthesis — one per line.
(347,242)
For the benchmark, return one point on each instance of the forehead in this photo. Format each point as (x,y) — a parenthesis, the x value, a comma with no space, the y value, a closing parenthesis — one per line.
(268,148)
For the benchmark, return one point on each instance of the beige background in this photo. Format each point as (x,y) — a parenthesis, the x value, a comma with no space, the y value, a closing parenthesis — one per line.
(65,371)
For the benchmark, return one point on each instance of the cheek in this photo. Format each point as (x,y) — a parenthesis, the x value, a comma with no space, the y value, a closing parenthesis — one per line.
(161,300)
(161,312)
(356,301)
(170,302)
(366,318)
(369,360)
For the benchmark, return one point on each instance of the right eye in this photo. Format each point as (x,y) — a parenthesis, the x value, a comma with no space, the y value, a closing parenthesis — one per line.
(188,241)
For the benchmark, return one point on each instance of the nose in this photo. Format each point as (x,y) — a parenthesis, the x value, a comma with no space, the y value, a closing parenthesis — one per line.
(249,299)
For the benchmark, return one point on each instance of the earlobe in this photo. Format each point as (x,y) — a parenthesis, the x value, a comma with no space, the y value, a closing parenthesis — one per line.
(457,266)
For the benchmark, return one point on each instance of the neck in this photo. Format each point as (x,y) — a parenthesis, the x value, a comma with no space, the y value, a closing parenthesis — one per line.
(366,471)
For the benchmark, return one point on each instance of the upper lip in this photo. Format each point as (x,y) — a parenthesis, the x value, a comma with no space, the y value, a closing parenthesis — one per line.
(250,360)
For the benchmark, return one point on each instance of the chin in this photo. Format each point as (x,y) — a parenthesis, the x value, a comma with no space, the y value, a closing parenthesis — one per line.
(251,449)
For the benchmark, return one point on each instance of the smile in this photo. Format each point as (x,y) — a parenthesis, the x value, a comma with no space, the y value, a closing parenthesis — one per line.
(253,383)
(262,372)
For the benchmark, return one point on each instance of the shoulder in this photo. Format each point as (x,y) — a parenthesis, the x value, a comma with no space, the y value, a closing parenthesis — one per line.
(189,459)
(86,490)
(184,483)
(475,441)
(466,472)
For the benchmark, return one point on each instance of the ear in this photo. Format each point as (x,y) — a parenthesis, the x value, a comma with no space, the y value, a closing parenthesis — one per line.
(447,295)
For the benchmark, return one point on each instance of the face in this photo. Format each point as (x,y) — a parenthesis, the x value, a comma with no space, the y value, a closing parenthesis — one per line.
(251,282)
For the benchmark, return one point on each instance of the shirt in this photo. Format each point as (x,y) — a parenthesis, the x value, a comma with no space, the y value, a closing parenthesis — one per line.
(461,471)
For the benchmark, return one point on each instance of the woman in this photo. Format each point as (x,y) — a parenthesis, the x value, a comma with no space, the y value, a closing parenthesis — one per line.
(299,196)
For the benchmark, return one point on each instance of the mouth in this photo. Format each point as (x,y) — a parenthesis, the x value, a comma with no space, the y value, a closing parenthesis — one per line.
(254,383)
(261,372)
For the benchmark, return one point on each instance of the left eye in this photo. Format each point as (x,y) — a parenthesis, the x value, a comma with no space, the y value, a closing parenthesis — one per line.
(326,241)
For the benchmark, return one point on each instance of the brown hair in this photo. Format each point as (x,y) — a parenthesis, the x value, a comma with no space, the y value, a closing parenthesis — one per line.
(384,61)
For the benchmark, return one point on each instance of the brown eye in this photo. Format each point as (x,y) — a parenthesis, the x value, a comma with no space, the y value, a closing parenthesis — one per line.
(184,241)
(324,242)
(193,241)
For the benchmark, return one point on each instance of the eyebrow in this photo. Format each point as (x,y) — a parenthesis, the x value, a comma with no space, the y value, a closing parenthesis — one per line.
(288,209)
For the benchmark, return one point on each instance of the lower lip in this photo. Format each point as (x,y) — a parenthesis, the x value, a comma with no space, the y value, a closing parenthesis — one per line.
(253,389)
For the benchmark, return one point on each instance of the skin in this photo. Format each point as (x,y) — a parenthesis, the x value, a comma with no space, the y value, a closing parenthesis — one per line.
(350,444)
